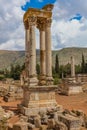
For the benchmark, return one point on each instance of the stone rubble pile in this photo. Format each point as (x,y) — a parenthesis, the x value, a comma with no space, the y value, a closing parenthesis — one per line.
(14,93)
(52,120)
(4,116)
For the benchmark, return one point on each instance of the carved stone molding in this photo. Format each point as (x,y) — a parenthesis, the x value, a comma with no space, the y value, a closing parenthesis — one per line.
(32,20)
(48,22)
(41,23)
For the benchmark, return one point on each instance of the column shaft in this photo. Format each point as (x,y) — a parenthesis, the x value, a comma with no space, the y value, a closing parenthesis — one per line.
(32,52)
(42,58)
(72,67)
(48,55)
(32,74)
(27,52)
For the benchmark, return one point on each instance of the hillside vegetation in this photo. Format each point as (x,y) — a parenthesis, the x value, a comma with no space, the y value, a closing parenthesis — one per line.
(17,57)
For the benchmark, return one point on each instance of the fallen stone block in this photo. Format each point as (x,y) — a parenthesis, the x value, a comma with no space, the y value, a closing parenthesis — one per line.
(73,123)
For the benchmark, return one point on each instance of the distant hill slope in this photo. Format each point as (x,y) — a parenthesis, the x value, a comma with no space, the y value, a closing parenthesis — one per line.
(66,53)
(10,57)
(17,57)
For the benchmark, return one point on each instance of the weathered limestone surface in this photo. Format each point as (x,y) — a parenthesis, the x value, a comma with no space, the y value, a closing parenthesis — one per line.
(40,98)
(11,94)
(70,87)
(71,122)
(47,121)
(48,52)
(14,93)
(32,50)
(81,78)
(21,125)
(60,126)
(72,67)
(38,95)
(41,26)
(27,46)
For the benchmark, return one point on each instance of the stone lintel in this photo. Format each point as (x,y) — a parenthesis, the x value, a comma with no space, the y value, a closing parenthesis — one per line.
(36,12)
(48,7)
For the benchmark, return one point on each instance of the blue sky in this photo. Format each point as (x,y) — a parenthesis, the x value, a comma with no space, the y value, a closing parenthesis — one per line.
(77,17)
(69,24)
(37,4)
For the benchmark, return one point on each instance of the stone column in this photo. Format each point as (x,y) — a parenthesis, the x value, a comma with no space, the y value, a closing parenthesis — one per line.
(49,78)
(32,58)
(41,27)
(72,67)
(27,31)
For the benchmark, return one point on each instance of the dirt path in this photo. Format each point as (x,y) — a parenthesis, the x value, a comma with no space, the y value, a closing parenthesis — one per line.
(9,105)
(73,102)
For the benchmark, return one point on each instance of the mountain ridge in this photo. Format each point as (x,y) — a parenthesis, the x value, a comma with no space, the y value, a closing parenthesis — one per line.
(8,57)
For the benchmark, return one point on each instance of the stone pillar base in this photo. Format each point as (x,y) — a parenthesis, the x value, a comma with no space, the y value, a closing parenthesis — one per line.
(71,87)
(33,81)
(42,80)
(73,90)
(38,98)
(34,111)
(49,80)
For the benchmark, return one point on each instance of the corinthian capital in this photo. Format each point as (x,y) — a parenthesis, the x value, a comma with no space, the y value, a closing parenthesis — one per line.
(26,24)
(41,23)
(48,22)
(32,20)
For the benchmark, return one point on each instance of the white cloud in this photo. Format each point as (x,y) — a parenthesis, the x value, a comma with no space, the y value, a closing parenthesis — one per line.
(65,33)
(11,25)
(13,45)
(69,33)
(64,9)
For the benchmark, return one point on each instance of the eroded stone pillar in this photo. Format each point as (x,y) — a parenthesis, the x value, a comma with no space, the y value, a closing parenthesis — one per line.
(39,98)
(49,78)
(32,73)
(42,79)
(27,34)
(72,67)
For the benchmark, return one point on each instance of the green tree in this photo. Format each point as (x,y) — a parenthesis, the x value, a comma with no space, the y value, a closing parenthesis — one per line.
(23,67)
(83,64)
(6,73)
(85,67)
(57,64)
(62,71)
(67,69)
(16,71)
(77,69)
(12,71)
(38,68)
